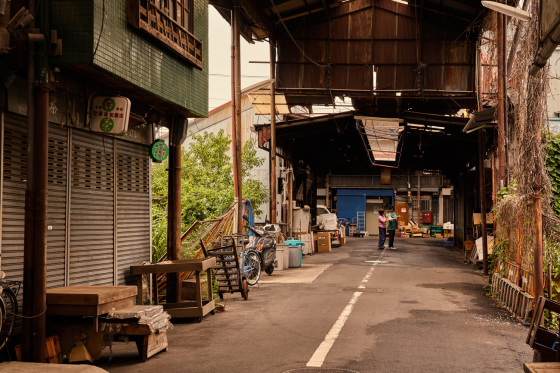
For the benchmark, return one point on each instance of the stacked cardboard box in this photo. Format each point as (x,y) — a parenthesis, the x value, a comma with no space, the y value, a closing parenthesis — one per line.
(323,242)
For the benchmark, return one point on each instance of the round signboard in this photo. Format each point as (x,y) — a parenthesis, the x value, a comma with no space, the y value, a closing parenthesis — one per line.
(159,151)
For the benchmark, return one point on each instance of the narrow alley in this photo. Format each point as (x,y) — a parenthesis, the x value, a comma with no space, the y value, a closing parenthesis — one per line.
(415,309)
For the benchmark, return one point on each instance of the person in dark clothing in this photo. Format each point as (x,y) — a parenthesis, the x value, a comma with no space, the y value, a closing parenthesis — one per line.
(392,226)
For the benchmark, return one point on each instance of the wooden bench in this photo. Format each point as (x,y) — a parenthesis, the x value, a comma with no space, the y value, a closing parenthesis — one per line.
(188,308)
(89,301)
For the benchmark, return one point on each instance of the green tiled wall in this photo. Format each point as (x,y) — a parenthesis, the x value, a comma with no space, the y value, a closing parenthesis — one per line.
(129,54)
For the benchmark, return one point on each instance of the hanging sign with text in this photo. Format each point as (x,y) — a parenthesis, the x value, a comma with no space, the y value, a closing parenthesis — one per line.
(110,115)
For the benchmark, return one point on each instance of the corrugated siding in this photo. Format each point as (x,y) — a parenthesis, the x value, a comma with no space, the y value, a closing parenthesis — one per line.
(91,215)
(13,213)
(56,214)
(133,209)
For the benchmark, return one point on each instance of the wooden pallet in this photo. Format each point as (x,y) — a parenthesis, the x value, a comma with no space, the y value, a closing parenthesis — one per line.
(544,341)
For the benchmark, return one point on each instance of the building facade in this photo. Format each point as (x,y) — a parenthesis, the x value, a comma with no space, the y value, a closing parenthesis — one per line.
(99,195)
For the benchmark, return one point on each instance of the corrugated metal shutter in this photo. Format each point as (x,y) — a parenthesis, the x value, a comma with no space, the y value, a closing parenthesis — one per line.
(13,210)
(81,249)
(56,215)
(133,209)
(91,242)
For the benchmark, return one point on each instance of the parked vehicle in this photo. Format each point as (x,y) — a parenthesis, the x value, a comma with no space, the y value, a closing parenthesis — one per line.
(264,243)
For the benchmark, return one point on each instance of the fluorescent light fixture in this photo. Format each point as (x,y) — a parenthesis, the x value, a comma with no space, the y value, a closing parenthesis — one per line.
(401,2)
(507,10)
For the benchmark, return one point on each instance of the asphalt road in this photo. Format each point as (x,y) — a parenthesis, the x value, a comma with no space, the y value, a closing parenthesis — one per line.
(415,309)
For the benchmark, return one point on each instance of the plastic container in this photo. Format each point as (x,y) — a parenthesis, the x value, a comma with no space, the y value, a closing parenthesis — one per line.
(282,257)
(295,257)
(294,242)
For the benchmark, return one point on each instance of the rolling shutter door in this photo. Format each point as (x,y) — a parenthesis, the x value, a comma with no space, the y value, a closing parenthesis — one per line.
(91,243)
(56,214)
(133,209)
(80,249)
(13,209)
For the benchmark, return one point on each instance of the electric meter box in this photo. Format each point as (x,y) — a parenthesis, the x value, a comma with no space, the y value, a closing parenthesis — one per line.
(110,115)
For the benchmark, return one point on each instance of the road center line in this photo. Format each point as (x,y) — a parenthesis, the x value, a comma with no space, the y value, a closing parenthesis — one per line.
(367,277)
(321,353)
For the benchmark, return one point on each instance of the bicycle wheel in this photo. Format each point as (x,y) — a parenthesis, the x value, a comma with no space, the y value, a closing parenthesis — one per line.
(252,267)
(9,301)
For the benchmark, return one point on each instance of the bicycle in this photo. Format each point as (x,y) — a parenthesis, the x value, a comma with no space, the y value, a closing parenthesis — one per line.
(8,307)
(250,261)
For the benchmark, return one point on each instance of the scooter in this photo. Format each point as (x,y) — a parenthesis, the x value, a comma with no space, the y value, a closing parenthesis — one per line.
(265,245)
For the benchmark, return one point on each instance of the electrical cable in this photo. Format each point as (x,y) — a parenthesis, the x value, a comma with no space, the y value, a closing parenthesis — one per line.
(100,31)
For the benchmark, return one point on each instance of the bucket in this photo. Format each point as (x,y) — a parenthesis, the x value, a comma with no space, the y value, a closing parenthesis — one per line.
(282,257)
(283,250)
(295,257)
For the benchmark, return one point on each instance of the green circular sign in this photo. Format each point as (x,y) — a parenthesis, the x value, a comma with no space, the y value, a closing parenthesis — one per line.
(159,151)
(106,124)
(108,104)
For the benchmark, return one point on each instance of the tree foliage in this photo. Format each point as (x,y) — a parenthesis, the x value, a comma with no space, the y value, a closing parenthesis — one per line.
(206,184)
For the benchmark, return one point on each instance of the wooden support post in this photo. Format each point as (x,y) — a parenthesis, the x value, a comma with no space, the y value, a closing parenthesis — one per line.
(501,101)
(538,252)
(482,188)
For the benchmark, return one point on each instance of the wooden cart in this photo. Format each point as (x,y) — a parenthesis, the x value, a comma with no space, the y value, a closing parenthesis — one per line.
(228,273)
(188,308)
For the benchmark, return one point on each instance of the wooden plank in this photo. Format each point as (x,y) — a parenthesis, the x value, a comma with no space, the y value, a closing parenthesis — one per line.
(200,264)
(153,344)
(541,367)
(89,310)
(88,295)
(134,329)
(189,309)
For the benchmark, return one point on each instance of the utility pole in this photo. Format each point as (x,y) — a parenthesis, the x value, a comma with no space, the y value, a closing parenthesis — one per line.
(236,115)
(273,211)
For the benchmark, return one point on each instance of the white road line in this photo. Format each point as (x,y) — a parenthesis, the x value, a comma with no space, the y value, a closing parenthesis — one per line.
(320,354)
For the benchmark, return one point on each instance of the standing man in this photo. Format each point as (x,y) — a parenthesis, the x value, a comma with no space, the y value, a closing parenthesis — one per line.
(392,226)
(382,229)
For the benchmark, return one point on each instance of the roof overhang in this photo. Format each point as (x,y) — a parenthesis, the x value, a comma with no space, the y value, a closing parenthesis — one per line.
(480,120)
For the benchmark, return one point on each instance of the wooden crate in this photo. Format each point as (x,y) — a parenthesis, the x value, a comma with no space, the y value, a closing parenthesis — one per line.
(53,355)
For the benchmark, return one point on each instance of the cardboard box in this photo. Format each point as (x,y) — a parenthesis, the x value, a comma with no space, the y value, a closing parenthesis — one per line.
(477,219)
(416,234)
(323,242)
(426,235)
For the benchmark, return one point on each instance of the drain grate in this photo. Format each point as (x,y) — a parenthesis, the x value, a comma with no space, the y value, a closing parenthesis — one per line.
(319,370)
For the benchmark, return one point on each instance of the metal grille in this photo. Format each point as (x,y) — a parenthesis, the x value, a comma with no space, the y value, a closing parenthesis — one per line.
(91,243)
(133,209)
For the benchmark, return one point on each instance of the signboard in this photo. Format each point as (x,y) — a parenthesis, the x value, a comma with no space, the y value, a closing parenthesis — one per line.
(110,115)
(158,151)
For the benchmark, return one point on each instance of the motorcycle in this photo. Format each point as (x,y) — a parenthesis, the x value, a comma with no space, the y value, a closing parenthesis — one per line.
(264,243)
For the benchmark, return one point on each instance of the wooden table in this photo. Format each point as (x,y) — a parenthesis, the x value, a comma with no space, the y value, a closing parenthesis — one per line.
(541,367)
(197,308)
(91,301)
